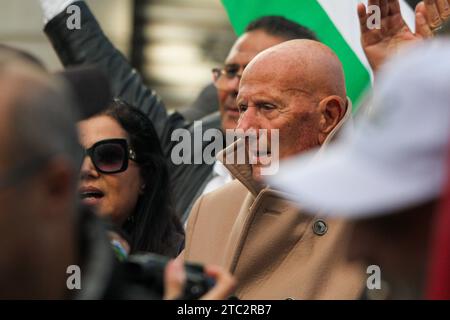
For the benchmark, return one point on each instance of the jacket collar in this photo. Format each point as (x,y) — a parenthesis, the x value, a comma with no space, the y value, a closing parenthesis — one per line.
(243,172)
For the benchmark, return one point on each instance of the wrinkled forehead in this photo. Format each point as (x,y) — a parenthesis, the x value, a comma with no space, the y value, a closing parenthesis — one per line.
(275,75)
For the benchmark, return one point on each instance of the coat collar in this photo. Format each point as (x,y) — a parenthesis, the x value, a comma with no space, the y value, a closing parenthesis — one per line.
(243,172)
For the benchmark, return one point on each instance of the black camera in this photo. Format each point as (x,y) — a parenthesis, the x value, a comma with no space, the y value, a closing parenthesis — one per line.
(148,270)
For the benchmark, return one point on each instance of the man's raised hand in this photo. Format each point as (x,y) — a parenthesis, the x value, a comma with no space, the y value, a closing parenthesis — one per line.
(393,33)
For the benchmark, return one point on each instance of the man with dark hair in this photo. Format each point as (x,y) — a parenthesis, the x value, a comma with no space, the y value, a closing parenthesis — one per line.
(89,45)
(281,27)
(260,34)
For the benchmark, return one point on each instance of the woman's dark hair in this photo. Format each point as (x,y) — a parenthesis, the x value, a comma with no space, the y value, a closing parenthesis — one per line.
(153,226)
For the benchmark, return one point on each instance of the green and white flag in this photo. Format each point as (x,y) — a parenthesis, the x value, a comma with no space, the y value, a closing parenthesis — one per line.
(335,22)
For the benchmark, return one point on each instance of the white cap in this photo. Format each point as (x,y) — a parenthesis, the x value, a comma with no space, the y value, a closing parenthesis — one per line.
(397,155)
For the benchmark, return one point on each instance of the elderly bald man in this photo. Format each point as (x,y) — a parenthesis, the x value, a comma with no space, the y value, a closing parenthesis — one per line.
(273,250)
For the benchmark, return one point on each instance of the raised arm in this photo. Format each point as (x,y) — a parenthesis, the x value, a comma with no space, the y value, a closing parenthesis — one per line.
(394,34)
(89,46)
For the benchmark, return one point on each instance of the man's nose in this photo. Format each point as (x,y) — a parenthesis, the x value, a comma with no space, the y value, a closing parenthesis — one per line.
(88,169)
(232,86)
(248,120)
(234,83)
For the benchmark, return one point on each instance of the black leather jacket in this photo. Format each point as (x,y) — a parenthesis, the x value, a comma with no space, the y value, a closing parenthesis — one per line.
(89,46)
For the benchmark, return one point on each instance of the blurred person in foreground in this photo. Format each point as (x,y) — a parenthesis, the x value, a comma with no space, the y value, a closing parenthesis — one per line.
(438,279)
(43,230)
(38,181)
(89,45)
(27,56)
(390,175)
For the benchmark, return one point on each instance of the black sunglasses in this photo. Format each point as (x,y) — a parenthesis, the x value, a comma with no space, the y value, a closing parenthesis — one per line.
(111,155)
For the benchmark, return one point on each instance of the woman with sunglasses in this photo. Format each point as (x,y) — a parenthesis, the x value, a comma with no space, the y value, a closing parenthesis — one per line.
(124,177)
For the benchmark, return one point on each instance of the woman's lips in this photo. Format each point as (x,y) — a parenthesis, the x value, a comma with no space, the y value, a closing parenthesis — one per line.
(90,202)
(90,196)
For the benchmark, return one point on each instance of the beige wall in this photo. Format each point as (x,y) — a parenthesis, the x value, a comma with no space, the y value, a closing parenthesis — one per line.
(21,25)
(184,39)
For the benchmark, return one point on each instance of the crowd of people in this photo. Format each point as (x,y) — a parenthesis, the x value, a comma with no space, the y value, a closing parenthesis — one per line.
(87,177)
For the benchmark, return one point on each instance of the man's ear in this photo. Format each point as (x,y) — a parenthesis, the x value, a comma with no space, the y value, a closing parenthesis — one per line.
(332,110)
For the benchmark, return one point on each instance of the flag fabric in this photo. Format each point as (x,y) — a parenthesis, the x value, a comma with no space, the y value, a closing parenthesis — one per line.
(335,23)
